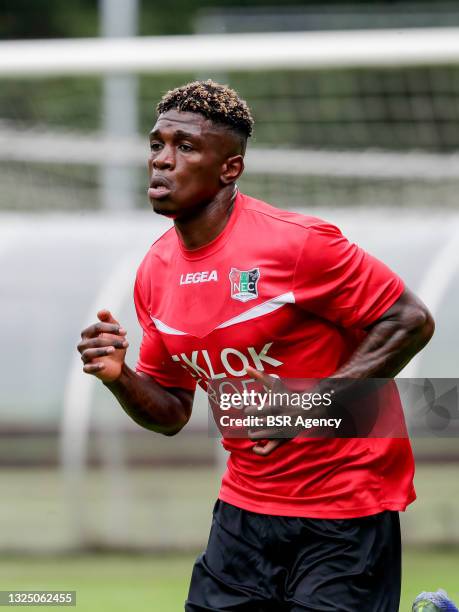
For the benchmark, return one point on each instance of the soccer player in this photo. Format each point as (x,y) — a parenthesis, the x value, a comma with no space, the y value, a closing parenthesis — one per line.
(238,288)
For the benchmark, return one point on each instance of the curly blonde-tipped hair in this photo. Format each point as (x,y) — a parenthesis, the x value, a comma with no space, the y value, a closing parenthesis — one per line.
(216,102)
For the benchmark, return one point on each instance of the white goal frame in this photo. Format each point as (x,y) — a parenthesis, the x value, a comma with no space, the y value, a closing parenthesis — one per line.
(293,50)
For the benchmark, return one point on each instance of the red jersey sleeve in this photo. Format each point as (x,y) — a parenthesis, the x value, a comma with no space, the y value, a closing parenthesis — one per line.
(154,358)
(339,281)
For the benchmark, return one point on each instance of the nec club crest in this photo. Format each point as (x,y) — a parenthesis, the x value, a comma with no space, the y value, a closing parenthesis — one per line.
(244,284)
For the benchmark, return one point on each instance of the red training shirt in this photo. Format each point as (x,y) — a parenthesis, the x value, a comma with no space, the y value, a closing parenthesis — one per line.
(287,294)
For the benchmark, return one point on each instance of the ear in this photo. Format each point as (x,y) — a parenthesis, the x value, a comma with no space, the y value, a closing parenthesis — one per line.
(232,169)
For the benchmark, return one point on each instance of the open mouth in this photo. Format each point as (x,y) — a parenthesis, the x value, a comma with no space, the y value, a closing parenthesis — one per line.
(159,188)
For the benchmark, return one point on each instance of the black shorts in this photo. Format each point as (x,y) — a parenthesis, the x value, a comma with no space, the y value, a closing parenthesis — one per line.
(263,563)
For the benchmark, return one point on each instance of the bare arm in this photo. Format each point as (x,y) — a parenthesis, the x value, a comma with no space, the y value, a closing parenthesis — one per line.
(392,341)
(162,409)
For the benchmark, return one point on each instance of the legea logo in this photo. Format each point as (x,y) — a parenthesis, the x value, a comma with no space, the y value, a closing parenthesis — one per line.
(198,277)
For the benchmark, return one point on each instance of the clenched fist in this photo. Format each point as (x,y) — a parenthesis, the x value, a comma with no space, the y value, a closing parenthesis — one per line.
(103,347)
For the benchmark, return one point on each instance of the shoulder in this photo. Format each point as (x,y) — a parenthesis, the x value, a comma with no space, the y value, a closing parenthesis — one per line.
(285,220)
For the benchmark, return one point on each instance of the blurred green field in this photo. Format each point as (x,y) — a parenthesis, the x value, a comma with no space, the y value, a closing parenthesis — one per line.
(159,584)
(143,510)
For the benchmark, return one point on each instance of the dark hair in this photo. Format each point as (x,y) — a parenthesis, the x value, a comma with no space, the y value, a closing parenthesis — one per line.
(218,103)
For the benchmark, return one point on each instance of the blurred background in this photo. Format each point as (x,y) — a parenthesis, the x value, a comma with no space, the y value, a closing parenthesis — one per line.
(357,121)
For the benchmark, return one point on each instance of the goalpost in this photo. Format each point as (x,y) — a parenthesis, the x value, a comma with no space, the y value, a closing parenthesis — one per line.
(297,50)
(342,118)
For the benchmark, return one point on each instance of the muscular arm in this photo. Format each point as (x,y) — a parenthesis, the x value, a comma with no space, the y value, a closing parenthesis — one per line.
(392,341)
(161,409)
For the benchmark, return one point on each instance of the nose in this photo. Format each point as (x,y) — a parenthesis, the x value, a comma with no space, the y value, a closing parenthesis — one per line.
(163,159)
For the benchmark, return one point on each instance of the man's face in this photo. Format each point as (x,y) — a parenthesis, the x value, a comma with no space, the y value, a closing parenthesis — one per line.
(187,159)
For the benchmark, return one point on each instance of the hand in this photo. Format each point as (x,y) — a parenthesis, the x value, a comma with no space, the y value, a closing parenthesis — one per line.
(103,347)
(264,446)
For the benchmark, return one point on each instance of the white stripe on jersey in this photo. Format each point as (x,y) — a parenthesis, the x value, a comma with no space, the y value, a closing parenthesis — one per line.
(253,313)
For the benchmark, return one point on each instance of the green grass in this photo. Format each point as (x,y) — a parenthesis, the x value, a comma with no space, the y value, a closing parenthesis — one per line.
(153,584)
(427,570)
(115,583)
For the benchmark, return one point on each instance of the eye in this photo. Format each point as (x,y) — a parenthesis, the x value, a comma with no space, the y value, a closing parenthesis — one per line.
(155,146)
(185,147)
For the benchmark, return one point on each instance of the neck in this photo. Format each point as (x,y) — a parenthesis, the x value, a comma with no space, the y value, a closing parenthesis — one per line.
(205,225)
